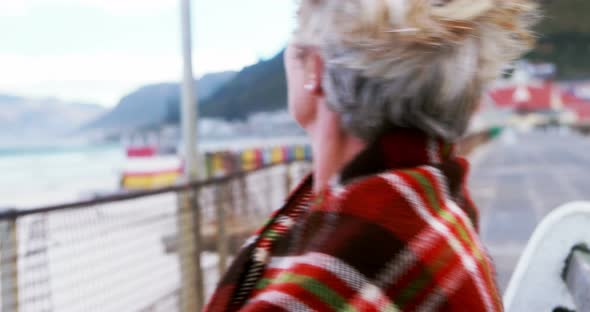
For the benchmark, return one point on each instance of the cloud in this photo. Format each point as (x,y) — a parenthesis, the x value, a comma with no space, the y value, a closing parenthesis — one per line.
(105,77)
(115,7)
(63,48)
(124,7)
(13,8)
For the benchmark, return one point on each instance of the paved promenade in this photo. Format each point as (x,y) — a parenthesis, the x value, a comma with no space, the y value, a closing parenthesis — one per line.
(517,180)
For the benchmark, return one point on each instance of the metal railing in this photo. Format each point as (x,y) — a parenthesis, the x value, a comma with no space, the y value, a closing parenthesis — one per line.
(553,273)
(576,276)
(160,250)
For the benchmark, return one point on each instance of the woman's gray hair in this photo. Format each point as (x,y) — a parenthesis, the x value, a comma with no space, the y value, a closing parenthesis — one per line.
(370,106)
(412,63)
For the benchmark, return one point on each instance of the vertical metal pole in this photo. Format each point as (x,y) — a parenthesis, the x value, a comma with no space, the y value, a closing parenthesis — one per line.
(270,185)
(189,215)
(9,265)
(196,256)
(189,97)
(221,191)
(37,244)
(288,180)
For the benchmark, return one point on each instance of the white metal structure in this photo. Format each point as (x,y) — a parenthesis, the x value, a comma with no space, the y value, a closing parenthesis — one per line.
(189,214)
(189,97)
(537,283)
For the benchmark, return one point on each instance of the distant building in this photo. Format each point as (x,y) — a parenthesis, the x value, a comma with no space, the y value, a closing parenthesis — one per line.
(546,101)
(580,89)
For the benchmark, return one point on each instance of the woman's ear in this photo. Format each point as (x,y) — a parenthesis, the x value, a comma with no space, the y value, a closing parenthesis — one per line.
(314,73)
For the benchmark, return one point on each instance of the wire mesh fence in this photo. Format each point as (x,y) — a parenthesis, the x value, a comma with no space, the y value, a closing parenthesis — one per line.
(161,250)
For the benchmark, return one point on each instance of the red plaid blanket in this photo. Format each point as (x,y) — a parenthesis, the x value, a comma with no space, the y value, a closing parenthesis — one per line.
(396,232)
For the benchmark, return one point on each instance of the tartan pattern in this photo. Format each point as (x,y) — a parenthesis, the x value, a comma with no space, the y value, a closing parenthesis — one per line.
(398,239)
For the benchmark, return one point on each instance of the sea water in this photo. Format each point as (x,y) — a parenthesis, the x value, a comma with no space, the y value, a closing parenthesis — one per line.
(33,177)
(107,256)
(41,176)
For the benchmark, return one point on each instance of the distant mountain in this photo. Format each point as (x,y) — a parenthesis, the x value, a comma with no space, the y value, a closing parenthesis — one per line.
(29,118)
(229,95)
(9,99)
(564,16)
(564,37)
(153,105)
(257,88)
(144,107)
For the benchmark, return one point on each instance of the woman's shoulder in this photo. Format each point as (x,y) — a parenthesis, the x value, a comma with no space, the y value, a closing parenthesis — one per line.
(398,228)
(406,199)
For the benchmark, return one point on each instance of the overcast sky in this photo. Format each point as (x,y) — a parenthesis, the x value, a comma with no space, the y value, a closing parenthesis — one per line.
(99,50)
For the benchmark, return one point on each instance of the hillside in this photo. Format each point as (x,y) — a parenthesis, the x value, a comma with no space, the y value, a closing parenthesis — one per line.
(564,38)
(31,118)
(564,16)
(143,107)
(257,88)
(8,99)
(155,104)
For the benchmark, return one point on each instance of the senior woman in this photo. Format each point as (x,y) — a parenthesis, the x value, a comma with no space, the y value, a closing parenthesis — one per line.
(384,222)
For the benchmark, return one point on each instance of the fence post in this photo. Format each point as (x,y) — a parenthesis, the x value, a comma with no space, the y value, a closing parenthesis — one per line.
(189,252)
(36,251)
(245,204)
(288,179)
(222,241)
(9,262)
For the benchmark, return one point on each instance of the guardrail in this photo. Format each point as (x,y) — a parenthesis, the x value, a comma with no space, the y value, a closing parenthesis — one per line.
(553,273)
(140,251)
(156,250)
(472,141)
(576,276)
(159,173)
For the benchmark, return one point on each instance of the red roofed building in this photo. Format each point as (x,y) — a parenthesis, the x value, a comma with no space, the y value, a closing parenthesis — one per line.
(580,106)
(539,97)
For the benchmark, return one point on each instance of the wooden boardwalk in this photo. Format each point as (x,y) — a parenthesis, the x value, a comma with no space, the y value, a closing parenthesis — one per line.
(518,179)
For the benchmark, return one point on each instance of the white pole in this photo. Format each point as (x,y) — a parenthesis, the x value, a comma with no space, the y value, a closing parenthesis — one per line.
(189,216)
(189,98)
